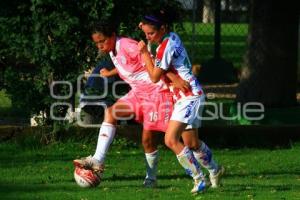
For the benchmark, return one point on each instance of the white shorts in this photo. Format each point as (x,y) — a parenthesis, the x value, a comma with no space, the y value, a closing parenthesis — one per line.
(189,111)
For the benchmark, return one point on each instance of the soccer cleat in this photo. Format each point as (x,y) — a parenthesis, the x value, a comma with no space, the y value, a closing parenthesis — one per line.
(199,186)
(89,163)
(215,179)
(150,183)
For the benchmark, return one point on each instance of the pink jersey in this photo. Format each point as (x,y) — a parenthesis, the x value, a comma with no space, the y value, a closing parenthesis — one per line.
(171,55)
(128,63)
(151,102)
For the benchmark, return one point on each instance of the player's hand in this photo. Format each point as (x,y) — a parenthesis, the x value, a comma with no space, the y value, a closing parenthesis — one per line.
(181,84)
(142,47)
(104,72)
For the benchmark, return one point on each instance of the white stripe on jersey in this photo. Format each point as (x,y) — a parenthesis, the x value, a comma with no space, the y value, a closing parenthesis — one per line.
(131,77)
(172,55)
(139,78)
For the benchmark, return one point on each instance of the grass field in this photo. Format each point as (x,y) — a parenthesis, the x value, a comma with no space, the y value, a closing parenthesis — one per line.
(201,45)
(47,173)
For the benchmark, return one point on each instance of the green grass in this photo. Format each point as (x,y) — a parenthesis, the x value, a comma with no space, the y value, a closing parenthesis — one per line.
(47,173)
(226,29)
(233,42)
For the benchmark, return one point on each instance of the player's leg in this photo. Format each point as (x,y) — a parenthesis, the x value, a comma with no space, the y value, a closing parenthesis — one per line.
(106,135)
(203,155)
(108,128)
(186,111)
(200,150)
(149,141)
(190,139)
(155,111)
(151,157)
(184,154)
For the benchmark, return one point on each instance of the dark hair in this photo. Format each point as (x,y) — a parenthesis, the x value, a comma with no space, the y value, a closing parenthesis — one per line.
(107,28)
(164,16)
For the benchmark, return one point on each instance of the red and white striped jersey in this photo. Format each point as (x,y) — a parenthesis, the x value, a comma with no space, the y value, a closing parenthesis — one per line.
(171,55)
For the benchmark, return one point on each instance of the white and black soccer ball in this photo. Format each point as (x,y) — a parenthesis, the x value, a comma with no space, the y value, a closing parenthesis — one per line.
(86,178)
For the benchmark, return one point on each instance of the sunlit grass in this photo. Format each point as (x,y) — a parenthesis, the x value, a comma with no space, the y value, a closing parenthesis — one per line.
(47,173)
(200,43)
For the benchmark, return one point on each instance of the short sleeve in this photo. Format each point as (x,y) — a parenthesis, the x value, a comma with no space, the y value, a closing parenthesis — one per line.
(130,47)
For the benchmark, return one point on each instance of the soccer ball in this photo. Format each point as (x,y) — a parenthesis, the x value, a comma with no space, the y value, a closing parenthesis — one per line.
(86,178)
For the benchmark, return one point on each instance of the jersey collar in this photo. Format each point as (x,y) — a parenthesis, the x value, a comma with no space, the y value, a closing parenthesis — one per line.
(165,36)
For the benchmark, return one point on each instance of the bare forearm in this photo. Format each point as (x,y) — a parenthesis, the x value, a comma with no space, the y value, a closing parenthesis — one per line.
(149,65)
(154,72)
(113,72)
(107,73)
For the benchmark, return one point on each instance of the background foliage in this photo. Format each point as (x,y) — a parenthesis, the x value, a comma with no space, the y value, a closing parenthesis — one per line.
(48,40)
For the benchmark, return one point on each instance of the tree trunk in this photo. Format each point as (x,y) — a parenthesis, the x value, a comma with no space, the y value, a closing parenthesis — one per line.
(269,75)
(298,50)
(208,11)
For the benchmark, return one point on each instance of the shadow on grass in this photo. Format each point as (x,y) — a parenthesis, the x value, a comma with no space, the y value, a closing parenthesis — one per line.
(265,174)
(17,161)
(13,189)
(252,187)
(140,177)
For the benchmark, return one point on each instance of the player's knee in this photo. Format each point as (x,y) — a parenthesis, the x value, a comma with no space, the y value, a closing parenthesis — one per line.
(147,142)
(170,142)
(109,117)
(193,145)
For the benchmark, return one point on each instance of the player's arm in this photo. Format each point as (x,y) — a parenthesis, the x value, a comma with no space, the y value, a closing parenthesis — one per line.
(178,82)
(155,73)
(107,73)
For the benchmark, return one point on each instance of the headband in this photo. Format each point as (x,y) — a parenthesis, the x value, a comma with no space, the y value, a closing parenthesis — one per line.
(153,19)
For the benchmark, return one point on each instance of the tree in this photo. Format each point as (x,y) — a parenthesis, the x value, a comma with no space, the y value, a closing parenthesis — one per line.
(44,41)
(208,14)
(299,52)
(269,75)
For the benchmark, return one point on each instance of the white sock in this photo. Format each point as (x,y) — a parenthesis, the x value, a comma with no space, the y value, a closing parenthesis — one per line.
(189,163)
(151,160)
(204,156)
(106,136)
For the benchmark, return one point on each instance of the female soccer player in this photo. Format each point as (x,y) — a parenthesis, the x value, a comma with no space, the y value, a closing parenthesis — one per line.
(150,103)
(172,56)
